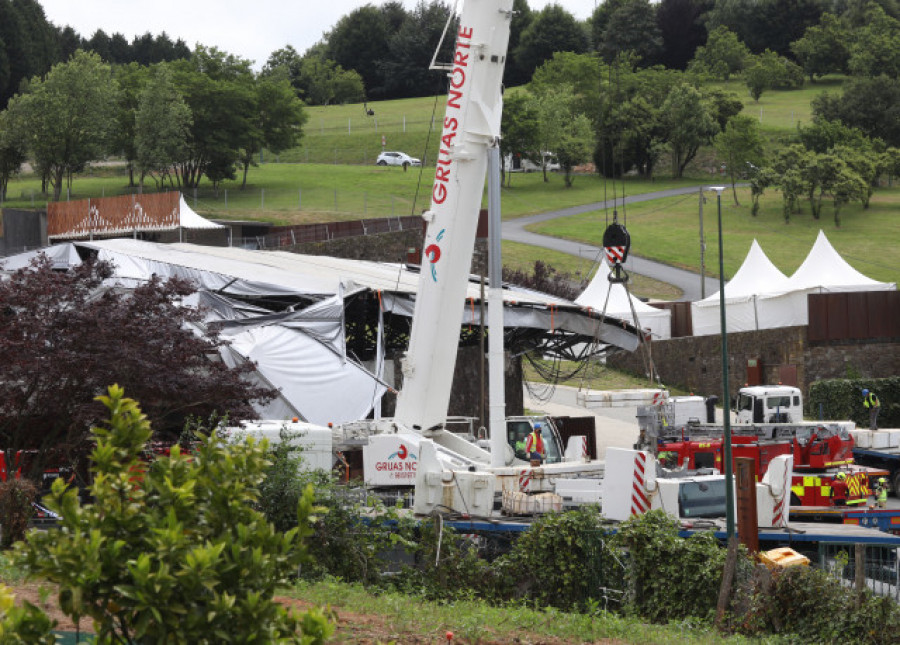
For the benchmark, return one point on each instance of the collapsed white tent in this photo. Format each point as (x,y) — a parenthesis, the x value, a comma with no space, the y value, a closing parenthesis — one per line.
(756,277)
(285,312)
(762,298)
(601,292)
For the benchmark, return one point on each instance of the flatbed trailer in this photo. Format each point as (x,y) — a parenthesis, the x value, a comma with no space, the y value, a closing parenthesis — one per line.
(886,520)
(887,459)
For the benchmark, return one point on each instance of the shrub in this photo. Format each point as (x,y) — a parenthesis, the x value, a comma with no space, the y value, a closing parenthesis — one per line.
(562,561)
(842,399)
(173,550)
(16,497)
(670,577)
(815,607)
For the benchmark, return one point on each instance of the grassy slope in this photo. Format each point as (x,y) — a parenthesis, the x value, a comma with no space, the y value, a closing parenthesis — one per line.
(668,230)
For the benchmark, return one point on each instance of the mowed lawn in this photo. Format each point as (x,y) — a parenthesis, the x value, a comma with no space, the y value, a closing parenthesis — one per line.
(668,230)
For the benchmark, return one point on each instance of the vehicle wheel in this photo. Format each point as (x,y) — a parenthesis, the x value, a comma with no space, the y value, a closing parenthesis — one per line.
(382,163)
(895,483)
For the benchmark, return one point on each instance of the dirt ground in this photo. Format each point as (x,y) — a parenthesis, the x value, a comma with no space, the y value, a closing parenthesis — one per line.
(364,629)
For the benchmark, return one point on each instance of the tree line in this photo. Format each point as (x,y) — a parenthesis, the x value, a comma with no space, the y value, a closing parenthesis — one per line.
(173,122)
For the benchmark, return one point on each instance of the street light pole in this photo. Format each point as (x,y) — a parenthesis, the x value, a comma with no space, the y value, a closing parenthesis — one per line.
(726,400)
(702,250)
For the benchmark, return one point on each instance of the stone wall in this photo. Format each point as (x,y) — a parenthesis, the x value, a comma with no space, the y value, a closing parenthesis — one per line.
(695,362)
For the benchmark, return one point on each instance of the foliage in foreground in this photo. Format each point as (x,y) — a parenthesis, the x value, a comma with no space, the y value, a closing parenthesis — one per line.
(173,550)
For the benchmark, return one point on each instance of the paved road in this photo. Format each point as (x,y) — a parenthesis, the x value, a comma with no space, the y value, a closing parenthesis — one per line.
(687,281)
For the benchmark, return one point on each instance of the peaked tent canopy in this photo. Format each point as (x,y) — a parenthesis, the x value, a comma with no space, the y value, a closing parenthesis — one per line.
(600,291)
(756,277)
(776,301)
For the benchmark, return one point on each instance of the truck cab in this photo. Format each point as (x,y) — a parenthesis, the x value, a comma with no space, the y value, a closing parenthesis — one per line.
(769,404)
(518,429)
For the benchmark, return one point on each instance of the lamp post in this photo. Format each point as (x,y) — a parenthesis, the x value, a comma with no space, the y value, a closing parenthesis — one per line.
(726,400)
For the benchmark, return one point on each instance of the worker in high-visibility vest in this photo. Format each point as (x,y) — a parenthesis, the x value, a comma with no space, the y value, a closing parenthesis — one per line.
(881,491)
(873,405)
(534,445)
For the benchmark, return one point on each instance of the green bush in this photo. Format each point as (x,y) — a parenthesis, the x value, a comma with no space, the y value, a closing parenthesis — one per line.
(670,577)
(562,561)
(173,550)
(16,497)
(813,606)
(840,399)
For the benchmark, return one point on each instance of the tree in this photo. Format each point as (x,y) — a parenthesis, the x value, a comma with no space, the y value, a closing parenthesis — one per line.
(870,104)
(513,74)
(766,24)
(411,48)
(563,130)
(823,48)
(682,30)
(632,28)
(846,186)
(12,149)
(219,89)
(324,82)
(687,125)
(64,338)
(173,551)
(69,116)
(769,70)
(131,79)
(552,30)
(28,45)
(284,64)
(162,124)
(278,123)
(518,128)
(359,41)
(864,162)
(741,145)
(876,46)
(722,55)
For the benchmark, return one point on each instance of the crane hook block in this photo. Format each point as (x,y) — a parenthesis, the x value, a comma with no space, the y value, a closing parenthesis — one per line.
(616,244)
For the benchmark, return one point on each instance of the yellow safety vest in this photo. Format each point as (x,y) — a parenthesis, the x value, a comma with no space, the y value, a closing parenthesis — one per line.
(871,401)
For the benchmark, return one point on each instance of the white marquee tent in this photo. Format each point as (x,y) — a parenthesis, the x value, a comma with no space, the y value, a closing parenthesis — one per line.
(658,321)
(756,277)
(763,298)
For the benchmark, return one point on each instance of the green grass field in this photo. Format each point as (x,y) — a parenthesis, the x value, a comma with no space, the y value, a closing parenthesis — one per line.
(668,230)
(345,184)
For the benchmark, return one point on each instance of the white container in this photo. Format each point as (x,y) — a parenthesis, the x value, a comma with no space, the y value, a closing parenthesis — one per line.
(880,439)
(863,438)
(893,438)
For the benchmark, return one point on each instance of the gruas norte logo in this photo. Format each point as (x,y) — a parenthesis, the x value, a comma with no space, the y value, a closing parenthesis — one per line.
(402,453)
(433,253)
(400,464)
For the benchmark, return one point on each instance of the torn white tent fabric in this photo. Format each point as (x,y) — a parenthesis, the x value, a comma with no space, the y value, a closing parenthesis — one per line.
(658,321)
(320,383)
(62,256)
(756,278)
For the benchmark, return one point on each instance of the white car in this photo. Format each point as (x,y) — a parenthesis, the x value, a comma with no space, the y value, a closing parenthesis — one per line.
(397,159)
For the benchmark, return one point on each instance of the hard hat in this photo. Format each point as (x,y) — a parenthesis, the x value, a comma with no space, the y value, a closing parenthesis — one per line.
(841,476)
(537,426)
(882,480)
(865,392)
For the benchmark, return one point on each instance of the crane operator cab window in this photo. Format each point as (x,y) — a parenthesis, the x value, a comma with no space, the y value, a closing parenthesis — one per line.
(517,432)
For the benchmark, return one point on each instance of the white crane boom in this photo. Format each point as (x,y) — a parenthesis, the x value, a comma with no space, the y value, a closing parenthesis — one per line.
(471,125)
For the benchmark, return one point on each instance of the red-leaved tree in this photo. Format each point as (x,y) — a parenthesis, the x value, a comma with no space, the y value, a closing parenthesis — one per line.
(64,339)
